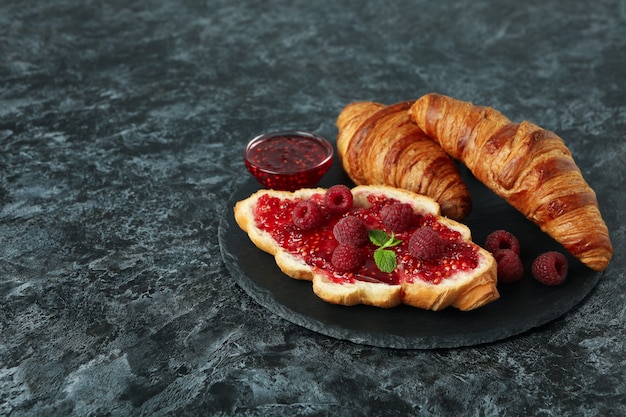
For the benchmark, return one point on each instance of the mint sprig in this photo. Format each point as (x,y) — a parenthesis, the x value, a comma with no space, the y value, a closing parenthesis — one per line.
(384,258)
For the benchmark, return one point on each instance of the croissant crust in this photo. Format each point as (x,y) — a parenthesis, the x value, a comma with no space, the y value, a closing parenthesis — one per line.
(528,166)
(381,145)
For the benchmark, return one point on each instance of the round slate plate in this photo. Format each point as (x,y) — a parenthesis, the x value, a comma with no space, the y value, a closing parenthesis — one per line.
(522,306)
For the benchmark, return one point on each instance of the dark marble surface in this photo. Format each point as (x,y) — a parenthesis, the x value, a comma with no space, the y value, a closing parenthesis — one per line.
(121,130)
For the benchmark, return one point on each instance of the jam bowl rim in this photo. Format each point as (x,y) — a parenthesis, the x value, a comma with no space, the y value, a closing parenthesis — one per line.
(328,146)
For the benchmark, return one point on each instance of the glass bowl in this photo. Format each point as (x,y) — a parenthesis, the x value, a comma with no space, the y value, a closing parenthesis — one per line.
(288,160)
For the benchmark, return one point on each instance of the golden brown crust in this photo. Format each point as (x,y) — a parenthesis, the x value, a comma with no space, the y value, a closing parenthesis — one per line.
(465,291)
(528,166)
(381,145)
(359,292)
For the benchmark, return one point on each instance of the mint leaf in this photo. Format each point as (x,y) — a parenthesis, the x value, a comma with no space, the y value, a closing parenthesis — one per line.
(378,237)
(391,242)
(381,238)
(385,260)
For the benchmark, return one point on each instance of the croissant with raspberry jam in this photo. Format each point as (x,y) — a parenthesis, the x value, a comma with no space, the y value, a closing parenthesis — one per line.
(530,167)
(381,145)
(318,244)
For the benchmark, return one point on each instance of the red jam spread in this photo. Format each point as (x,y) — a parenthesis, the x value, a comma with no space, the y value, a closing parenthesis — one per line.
(288,161)
(315,247)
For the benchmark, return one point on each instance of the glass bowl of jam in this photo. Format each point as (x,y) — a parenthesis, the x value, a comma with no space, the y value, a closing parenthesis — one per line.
(288,160)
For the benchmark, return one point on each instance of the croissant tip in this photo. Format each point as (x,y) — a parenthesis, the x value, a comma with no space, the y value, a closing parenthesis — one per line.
(599,265)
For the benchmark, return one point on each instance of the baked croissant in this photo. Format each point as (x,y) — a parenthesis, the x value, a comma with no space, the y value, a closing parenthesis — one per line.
(530,167)
(381,145)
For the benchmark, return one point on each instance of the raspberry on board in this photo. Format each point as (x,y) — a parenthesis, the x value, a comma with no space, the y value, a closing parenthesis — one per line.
(426,243)
(550,268)
(510,267)
(347,258)
(351,231)
(502,239)
(307,215)
(398,217)
(338,199)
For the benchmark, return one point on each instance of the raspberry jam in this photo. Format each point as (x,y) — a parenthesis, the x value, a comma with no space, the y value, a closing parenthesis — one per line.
(316,246)
(288,160)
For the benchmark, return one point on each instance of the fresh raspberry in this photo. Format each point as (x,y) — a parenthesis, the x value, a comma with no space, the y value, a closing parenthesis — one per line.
(307,215)
(398,217)
(426,243)
(351,231)
(510,267)
(550,268)
(347,258)
(501,239)
(338,199)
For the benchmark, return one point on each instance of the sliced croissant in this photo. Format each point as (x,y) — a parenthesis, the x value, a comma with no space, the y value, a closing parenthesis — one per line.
(528,166)
(307,255)
(381,145)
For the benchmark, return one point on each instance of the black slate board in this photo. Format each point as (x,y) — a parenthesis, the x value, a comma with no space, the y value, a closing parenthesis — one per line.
(522,306)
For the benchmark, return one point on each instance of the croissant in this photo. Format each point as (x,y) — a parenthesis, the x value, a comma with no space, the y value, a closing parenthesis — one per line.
(530,167)
(381,145)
